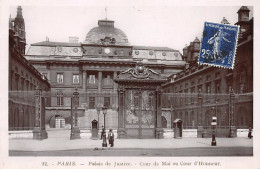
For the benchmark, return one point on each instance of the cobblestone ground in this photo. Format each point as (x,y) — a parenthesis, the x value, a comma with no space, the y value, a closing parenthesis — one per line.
(60,140)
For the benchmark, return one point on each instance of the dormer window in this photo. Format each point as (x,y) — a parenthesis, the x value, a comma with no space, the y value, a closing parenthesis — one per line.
(113,41)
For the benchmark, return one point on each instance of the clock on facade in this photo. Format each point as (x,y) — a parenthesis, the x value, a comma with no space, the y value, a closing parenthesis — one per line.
(107,50)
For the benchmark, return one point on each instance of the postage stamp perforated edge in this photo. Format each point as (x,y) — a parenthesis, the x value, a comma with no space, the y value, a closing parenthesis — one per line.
(235,51)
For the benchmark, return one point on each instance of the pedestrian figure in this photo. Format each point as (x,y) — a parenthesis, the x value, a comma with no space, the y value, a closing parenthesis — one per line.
(111,138)
(102,132)
(250,133)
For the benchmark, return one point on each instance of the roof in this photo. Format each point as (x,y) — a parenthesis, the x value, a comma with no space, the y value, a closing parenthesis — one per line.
(54,44)
(106,29)
(196,39)
(243,8)
(153,48)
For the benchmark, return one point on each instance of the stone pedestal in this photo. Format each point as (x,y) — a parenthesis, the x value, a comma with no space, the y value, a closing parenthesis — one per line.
(121,133)
(75,133)
(159,133)
(200,131)
(232,132)
(39,134)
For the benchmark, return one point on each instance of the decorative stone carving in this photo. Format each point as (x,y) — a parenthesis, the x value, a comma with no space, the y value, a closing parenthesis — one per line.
(140,71)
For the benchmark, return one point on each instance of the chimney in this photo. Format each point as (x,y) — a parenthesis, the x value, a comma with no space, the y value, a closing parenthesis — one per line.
(73,39)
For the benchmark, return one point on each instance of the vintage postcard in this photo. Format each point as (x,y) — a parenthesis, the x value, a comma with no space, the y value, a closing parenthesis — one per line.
(127,85)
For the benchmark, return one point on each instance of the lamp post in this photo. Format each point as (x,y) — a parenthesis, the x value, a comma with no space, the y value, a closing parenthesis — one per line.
(104,144)
(213,123)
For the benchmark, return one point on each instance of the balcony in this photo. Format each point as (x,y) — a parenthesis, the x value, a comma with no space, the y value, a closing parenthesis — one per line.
(92,84)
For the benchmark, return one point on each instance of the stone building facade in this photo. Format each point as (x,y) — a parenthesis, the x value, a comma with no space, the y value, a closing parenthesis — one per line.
(190,94)
(91,67)
(23,78)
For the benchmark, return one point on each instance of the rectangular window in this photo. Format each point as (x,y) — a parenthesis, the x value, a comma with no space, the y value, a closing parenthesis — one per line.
(186,96)
(107,102)
(75,79)
(45,75)
(192,95)
(242,88)
(59,78)
(180,94)
(91,103)
(60,98)
(208,91)
(92,79)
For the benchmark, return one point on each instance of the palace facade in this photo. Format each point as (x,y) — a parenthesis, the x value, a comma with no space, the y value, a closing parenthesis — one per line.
(91,67)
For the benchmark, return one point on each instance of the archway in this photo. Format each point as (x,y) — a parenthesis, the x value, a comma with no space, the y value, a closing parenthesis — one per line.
(57,121)
(16,119)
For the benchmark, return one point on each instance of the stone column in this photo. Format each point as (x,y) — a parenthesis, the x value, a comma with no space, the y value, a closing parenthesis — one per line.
(114,97)
(159,130)
(99,87)
(99,81)
(84,87)
(84,81)
(21,119)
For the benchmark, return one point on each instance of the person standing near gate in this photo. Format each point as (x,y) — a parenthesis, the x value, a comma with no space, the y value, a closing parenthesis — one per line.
(111,138)
(102,132)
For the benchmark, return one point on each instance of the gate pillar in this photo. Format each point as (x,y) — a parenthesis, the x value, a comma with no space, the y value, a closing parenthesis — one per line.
(159,130)
(121,130)
(75,131)
(39,132)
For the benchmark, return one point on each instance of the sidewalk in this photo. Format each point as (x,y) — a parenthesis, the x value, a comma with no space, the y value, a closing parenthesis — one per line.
(57,141)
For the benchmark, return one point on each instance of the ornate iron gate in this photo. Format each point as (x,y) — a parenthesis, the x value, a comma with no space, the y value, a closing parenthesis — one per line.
(140,113)
(139,103)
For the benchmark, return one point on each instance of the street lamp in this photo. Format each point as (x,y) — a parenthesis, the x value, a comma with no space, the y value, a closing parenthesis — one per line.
(213,123)
(104,144)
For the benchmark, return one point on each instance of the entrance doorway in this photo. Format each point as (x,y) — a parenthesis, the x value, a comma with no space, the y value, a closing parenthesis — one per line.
(57,121)
(177,124)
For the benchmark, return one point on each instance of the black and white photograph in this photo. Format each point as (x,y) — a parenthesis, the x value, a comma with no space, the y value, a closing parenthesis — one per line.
(142,84)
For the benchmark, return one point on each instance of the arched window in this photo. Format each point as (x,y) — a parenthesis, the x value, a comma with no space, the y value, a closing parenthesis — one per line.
(243,79)
(136,100)
(150,100)
(192,117)
(187,121)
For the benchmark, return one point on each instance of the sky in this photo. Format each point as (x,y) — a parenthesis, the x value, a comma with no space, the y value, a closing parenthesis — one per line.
(145,25)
